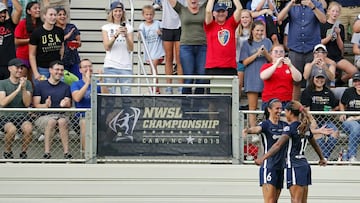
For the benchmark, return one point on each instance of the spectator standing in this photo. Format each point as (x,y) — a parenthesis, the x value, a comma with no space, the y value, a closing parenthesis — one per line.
(46,45)
(296,135)
(150,29)
(81,94)
(272,170)
(278,77)
(192,41)
(23,32)
(350,101)
(318,97)
(243,34)
(171,32)
(7,27)
(265,10)
(351,9)
(53,93)
(15,92)
(304,34)
(321,62)
(220,35)
(57,3)
(333,36)
(72,42)
(118,42)
(253,54)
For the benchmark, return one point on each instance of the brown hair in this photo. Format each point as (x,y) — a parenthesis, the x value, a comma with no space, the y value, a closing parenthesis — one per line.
(305,118)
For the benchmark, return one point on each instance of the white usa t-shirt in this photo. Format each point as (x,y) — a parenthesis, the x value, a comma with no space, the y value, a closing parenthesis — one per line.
(118,56)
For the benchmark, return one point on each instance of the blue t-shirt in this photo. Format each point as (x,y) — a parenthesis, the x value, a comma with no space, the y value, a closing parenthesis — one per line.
(85,102)
(270,133)
(57,92)
(295,154)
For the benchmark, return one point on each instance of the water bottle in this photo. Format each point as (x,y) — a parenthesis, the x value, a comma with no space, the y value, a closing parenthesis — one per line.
(344,155)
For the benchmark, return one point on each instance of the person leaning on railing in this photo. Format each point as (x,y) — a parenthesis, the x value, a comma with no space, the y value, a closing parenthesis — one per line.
(15,92)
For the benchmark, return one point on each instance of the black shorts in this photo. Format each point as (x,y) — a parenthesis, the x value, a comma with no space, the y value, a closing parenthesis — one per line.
(220,71)
(172,35)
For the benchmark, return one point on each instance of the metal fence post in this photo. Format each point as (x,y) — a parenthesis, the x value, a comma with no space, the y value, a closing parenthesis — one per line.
(235,121)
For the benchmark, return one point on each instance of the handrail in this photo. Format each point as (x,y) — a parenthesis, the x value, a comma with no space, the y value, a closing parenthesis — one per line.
(141,40)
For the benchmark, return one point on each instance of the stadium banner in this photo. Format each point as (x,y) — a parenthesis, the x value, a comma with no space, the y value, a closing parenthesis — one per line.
(164,126)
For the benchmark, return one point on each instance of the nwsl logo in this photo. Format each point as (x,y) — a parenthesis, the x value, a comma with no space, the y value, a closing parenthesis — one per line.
(224,37)
(123,124)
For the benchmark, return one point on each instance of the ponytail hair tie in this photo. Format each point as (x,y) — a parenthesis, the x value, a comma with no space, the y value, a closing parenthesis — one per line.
(301,109)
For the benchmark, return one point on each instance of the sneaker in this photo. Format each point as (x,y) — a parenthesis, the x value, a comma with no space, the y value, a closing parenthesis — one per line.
(67,156)
(8,155)
(47,156)
(41,138)
(169,90)
(23,155)
(353,159)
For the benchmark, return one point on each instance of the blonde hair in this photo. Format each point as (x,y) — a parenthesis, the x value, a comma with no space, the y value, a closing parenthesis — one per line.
(333,4)
(148,7)
(240,28)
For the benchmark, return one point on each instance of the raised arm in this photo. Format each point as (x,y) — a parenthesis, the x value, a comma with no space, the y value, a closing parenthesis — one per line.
(284,12)
(16,14)
(208,12)
(237,12)
(172,3)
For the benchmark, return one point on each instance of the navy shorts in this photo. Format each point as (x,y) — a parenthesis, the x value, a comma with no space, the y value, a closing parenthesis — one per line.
(271,176)
(298,176)
(172,35)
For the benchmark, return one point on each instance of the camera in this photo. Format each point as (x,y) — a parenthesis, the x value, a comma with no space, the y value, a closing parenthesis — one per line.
(123,24)
(298,1)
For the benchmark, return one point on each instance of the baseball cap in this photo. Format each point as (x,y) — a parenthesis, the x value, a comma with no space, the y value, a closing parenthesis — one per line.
(320,73)
(356,76)
(3,7)
(16,62)
(116,4)
(318,46)
(220,6)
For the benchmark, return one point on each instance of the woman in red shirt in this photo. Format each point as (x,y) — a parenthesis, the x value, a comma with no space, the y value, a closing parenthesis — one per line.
(23,31)
(278,77)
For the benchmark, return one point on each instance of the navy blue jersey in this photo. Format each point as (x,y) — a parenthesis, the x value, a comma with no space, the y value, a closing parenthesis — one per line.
(295,154)
(270,133)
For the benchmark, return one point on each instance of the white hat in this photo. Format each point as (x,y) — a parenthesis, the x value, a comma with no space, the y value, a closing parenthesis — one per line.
(2,7)
(320,46)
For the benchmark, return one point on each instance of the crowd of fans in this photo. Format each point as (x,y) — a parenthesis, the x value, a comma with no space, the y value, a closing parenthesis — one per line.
(221,37)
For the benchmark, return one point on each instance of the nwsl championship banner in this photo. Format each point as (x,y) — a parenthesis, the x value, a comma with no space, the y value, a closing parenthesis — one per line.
(164,126)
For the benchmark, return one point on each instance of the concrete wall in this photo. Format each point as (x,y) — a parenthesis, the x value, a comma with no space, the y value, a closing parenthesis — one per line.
(150,183)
